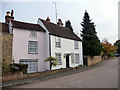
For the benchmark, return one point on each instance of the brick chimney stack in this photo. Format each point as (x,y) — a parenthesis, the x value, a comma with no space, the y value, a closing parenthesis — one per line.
(48,19)
(9,18)
(60,22)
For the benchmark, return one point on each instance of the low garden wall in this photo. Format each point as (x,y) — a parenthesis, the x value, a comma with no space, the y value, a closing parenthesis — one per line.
(93,60)
(20,75)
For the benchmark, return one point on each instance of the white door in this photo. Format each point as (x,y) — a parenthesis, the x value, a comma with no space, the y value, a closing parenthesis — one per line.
(32,65)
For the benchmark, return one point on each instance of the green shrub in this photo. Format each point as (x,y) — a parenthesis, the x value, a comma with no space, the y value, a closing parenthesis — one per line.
(5,67)
(112,55)
(16,67)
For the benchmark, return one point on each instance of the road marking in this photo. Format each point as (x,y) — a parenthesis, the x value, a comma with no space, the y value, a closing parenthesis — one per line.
(81,80)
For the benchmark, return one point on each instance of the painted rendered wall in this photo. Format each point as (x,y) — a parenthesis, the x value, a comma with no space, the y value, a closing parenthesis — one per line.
(47,43)
(20,47)
(67,46)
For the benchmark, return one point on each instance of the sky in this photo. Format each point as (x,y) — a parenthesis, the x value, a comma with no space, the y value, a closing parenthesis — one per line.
(104,13)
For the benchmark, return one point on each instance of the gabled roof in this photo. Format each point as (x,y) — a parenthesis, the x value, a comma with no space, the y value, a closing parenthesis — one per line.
(4,27)
(60,31)
(25,25)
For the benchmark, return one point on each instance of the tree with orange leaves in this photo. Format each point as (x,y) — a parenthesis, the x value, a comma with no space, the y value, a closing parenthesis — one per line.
(108,48)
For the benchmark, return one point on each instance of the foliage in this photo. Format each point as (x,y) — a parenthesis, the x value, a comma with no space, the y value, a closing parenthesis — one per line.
(5,67)
(16,67)
(53,61)
(91,43)
(68,24)
(107,47)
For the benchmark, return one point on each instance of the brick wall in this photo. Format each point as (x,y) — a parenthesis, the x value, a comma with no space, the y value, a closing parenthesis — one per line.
(94,60)
(7,40)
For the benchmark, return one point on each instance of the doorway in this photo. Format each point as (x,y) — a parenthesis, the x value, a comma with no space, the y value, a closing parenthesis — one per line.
(67,60)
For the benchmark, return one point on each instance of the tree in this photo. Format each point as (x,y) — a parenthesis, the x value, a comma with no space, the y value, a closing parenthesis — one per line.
(91,43)
(108,48)
(52,60)
(68,24)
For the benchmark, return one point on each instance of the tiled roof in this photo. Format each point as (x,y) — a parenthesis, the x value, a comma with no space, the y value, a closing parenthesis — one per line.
(60,31)
(4,27)
(24,25)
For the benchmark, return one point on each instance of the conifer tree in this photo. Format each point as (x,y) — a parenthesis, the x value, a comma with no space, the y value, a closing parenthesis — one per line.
(91,43)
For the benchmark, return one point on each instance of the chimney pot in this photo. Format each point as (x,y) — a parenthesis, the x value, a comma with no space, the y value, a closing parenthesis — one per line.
(48,19)
(12,13)
(60,22)
(7,13)
(9,18)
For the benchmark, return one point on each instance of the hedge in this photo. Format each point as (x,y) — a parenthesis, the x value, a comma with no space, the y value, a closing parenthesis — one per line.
(16,67)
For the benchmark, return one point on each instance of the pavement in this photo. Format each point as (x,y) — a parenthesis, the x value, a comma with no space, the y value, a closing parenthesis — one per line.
(41,78)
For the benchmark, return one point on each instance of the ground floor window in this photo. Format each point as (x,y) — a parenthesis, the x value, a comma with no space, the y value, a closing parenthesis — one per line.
(32,65)
(58,56)
(77,58)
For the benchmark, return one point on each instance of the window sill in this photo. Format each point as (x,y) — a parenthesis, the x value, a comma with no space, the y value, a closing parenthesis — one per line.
(32,53)
(58,46)
(76,48)
(59,64)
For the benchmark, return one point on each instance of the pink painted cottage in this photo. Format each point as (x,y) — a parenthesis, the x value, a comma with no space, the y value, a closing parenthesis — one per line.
(28,44)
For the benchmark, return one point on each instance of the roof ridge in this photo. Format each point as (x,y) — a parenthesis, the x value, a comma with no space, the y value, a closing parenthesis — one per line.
(54,24)
(24,22)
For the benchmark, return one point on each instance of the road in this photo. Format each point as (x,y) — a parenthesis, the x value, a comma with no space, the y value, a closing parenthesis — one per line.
(104,76)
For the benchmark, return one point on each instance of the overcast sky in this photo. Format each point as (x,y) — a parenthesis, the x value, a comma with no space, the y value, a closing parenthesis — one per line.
(104,13)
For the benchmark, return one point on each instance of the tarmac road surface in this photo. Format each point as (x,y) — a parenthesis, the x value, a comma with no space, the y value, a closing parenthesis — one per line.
(104,76)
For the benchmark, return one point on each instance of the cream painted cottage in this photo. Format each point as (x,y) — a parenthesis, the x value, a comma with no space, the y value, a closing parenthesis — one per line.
(63,44)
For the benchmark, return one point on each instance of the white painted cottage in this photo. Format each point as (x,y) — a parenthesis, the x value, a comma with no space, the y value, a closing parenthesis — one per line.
(63,44)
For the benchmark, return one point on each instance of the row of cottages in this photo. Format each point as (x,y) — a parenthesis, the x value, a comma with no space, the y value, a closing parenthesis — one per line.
(33,43)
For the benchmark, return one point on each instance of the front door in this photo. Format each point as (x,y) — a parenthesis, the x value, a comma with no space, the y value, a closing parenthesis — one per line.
(67,60)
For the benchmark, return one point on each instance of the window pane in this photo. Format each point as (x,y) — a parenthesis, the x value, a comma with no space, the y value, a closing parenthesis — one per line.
(76,45)
(33,47)
(58,56)
(33,33)
(77,59)
(57,41)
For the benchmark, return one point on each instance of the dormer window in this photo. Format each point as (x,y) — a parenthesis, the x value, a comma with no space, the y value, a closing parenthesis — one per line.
(33,33)
(57,42)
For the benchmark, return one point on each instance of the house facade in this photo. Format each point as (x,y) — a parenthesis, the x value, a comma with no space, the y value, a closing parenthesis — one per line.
(63,44)
(33,43)
(28,45)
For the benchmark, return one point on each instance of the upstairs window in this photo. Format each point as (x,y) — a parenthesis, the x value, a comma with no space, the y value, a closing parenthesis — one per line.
(76,45)
(33,47)
(58,56)
(77,58)
(33,33)
(57,42)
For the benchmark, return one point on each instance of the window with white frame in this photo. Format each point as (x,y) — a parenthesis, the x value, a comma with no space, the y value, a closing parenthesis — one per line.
(32,47)
(76,45)
(58,56)
(33,33)
(57,42)
(77,58)
(32,65)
